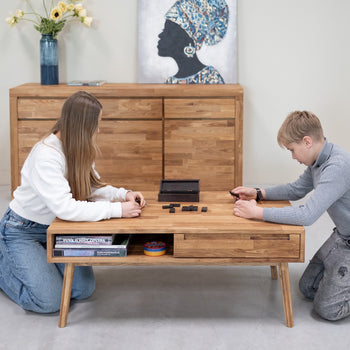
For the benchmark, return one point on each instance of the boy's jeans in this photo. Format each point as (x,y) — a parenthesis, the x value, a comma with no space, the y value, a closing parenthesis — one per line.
(326,280)
(25,275)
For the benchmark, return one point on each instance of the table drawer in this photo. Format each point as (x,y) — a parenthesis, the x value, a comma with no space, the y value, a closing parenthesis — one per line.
(237,246)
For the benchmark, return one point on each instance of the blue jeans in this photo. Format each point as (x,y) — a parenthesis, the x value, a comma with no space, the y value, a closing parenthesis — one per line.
(326,279)
(25,275)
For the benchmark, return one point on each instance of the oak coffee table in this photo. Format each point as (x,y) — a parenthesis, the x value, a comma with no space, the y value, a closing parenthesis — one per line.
(215,237)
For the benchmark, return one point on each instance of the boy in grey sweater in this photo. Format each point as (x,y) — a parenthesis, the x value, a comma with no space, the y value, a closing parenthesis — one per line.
(326,279)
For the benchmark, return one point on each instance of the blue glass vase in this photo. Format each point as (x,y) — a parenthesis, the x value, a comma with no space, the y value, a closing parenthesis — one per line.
(48,60)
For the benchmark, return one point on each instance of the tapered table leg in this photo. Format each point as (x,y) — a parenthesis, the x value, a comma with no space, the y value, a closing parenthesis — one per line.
(287,299)
(66,294)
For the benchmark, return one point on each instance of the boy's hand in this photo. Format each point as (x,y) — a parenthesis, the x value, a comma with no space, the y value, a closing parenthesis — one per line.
(248,209)
(246,193)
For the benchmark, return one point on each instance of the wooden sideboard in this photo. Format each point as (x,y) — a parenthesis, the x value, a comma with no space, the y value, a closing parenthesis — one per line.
(148,132)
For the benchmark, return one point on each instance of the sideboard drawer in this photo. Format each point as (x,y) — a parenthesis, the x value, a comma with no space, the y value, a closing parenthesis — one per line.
(211,245)
(131,153)
(29,133)
(113,108)
(39,108)
(200,149)
(179,108)
(132,108)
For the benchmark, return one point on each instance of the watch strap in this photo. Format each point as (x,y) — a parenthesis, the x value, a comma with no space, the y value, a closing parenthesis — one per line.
(259,195)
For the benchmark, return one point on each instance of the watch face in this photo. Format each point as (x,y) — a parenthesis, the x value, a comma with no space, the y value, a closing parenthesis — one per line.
(259,195)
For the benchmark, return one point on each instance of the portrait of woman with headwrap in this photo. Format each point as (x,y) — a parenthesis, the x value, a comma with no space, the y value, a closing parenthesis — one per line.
(188,25)
(187,41)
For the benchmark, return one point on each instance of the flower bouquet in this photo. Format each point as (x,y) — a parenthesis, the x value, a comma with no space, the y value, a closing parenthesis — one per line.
(51,22)
(54,17)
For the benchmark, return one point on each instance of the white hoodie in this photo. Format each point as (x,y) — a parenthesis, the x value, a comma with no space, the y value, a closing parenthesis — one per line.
(45,193)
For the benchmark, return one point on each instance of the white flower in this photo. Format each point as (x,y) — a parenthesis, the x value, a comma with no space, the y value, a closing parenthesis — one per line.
(82,13)
(19,13)
(11,20)
(78,7)
(87,21)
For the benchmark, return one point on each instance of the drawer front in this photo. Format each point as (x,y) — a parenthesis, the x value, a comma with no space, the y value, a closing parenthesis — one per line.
(113,108)
(199,108)
(29,133)
(133,108)
(200,149)
(39,108)
(131,153)
(242,246)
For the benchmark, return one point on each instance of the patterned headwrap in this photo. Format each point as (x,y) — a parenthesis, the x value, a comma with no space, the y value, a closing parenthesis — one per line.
(203,20)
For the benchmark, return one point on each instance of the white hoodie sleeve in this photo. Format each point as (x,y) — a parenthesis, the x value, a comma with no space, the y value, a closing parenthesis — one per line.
(49,183)
(109,193)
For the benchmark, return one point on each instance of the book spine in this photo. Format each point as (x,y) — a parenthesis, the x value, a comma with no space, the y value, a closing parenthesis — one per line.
(88,246)
(84,240)
(121,252)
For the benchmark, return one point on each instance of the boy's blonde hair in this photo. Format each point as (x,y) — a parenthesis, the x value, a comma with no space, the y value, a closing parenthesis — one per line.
(297,125)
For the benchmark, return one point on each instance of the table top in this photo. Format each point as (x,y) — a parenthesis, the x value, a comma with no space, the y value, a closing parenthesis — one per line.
(219,219)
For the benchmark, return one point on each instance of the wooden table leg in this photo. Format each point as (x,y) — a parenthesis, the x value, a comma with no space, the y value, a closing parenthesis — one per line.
(287,299)
(66,294)
(274,274)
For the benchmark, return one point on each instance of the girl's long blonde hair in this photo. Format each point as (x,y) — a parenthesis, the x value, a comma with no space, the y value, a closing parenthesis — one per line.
(78,127)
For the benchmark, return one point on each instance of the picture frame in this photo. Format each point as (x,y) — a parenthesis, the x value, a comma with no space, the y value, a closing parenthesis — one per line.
(154,68)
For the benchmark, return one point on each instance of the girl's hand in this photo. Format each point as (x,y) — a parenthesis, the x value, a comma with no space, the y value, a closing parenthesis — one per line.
(248,209)
(130,209)
(136,197)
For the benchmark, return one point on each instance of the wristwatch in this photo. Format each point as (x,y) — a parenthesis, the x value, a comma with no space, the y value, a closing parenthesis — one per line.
(259,195)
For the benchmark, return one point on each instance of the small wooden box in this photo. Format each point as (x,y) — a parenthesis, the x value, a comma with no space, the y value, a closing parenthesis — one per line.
(179,191)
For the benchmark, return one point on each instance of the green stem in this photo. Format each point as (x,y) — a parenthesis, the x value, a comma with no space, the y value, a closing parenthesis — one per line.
(31,7)
(29,20)
(30,13)
(44,5)
(67,17)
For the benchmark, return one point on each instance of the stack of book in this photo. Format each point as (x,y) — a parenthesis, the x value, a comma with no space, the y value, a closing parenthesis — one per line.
(91,245)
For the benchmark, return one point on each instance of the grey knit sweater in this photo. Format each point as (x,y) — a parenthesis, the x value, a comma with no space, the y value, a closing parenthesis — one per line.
(329,177)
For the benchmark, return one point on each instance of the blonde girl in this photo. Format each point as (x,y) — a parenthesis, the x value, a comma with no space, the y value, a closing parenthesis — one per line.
(58,179)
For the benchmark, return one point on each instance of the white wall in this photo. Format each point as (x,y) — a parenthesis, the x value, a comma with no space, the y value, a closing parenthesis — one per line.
(291,55)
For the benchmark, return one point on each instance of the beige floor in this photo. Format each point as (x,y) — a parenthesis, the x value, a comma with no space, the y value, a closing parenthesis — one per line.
(180,308)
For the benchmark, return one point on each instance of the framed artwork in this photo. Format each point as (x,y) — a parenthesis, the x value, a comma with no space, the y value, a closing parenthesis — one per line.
(187,41)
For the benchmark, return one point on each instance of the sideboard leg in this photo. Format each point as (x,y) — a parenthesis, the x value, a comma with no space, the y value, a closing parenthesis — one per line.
(66,294)
(287,299)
